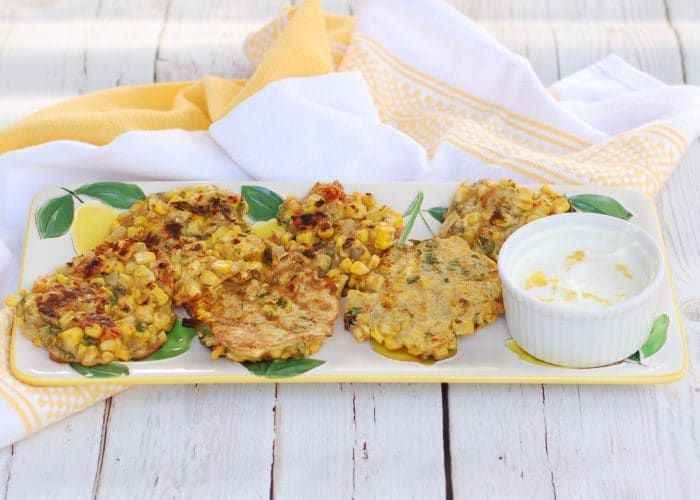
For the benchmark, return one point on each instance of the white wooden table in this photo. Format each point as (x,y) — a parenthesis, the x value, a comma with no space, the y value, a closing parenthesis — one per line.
(352,440)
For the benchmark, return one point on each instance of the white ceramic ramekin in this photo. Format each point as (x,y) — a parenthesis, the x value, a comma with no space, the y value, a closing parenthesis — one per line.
(580,338)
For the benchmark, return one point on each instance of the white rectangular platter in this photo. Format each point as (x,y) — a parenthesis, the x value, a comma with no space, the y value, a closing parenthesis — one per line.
(484,357)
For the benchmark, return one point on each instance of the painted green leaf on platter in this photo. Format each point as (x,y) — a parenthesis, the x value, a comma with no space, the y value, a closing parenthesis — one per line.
(262,202)
(282,368)
(600,204)
(438,213)
(54,218)
(115,194)
(411,212)
(109,370)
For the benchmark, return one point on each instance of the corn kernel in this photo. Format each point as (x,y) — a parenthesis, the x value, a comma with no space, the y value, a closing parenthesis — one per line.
(81,350)
(122,354)
(359,268)
(71,338)
(144,257)
(160,296)
(561,205)
(126,329)
(93,331)
(162,321)
(265,229)
(90,355)
(203,314)
(193,289)
(217,352)
(345,265)
(160,208)
(62,278)
(175,198)
(107,345)
(132,231)
(383,236)
(64,321)
(362,235)
(461,194)
(12,301)
(208,278)
(374,261)
(326,233)
(144,274)
(305,237)
(107,357)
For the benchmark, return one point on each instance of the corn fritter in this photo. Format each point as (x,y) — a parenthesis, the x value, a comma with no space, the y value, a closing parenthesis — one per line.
(422,296)
(110,304)
(486,212)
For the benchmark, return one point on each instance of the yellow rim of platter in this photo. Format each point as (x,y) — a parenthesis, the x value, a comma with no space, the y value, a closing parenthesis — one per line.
(426,378)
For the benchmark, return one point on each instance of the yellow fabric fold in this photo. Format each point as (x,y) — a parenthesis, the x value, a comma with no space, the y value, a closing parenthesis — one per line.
(300,49)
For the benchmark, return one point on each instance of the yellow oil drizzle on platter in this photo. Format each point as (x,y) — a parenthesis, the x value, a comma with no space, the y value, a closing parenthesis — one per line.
(512,346)
(402,354)
(91,225)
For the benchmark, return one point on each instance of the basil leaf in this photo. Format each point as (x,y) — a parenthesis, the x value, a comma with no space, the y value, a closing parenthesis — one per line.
(282,368)
(411,212)
(110,370)
(634,357)
(116,194)
(657,337)
(54,218)
(262,202)
(438,213)
(599,204)
(179,338)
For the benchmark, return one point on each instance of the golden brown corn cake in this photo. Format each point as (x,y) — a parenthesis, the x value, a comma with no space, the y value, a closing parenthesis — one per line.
(343,234)
(191,212)
(422,296)
(283,311)
(198,264)
(110,304)
(201,230)
(486,212)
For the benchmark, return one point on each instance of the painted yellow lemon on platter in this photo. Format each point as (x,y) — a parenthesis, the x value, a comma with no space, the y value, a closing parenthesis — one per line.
(91,225)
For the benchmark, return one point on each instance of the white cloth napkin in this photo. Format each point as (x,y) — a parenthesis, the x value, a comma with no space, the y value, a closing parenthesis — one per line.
(374,121)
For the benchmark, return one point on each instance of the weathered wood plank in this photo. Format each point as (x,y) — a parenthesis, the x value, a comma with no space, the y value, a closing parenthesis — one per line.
(366,438)
(498,442)
(5,468)
(359,441)
(206,441)
(684,18)
(205,38)
(398,442)
(50,51)
(314,428)
(60,461)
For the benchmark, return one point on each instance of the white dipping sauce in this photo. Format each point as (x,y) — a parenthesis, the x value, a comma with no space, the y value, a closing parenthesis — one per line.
(583,267)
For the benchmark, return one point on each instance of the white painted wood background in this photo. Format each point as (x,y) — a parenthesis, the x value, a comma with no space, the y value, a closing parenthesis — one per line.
(352,440)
